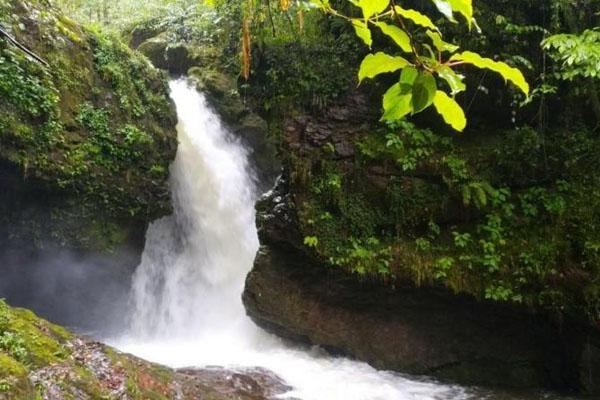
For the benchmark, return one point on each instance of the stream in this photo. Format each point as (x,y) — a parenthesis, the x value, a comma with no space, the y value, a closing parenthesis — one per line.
(186,293)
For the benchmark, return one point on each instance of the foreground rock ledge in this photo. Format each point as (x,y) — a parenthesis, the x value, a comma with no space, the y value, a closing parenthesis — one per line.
(122,376)
(418,331)
(39,360)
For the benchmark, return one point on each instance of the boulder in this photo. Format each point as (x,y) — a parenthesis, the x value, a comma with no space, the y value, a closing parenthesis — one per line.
(176,58)
(155,49)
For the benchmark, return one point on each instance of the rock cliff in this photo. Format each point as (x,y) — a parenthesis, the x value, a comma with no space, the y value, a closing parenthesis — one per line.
(87,133)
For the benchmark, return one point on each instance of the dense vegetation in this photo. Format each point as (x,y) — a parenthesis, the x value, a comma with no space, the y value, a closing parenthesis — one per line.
(505,211)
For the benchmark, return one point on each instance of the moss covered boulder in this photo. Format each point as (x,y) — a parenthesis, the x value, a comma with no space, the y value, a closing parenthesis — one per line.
(86,133)
(39,360)
(170,55)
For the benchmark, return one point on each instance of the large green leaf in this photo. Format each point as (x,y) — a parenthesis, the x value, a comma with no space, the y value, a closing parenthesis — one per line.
(397,101)
(372,7)
(448,7)
(416,17)
(450,110)
(445,8)
(507,72)
(454,80)
(379,63)
(423,91)
(464,7)
(362,31)
(398,35)
(439,43)
(409,75)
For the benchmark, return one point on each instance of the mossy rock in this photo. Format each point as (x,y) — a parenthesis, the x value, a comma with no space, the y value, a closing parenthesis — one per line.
(138,34)
(91,133)
(176,58)
(222,93)
(38,358)
(155,49)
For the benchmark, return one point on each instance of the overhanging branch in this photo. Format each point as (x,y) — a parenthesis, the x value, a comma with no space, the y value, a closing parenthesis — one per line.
(23,48)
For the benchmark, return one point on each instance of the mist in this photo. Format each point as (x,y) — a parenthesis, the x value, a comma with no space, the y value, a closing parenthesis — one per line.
(83,292)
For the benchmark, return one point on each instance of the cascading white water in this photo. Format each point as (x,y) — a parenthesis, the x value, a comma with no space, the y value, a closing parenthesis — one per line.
(186,292)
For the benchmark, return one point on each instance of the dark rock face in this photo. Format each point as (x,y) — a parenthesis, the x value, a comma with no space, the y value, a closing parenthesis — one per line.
(409,330)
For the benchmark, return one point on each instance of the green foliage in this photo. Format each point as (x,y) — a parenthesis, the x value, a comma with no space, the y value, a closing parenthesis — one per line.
(13,345)
(404,144)
(365,257)
(311,241)
(300,69)
(120,13)
(107,148)
(417,88)
(125,70)
(21,86)
(30,95)
(578,55)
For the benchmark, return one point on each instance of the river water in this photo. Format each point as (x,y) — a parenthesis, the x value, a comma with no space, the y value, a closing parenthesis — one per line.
(186,293)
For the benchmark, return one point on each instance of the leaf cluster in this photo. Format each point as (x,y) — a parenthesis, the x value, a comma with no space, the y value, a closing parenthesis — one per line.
(426,64)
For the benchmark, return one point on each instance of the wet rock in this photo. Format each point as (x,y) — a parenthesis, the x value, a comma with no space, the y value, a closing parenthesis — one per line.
(275,219)
(179,58)
(344,149)
(175,58)
(241,383)
(416,331)
(155,49)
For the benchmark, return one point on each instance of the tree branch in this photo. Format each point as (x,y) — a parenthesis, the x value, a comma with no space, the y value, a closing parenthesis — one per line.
(23,48)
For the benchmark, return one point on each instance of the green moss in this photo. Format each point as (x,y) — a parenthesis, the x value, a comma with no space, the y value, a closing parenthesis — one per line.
(91,128)
(30,340)
(14,383)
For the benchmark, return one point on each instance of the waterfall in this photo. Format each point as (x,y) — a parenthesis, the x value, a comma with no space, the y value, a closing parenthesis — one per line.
(186,291)
(194,263)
